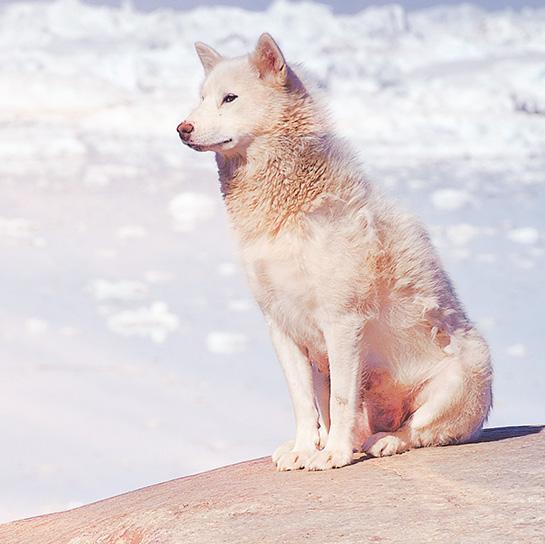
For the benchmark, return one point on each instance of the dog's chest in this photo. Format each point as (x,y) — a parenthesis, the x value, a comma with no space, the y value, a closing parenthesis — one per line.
(286,279)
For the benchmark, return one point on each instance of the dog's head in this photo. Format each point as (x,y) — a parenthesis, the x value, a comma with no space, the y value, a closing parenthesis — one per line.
(241,98)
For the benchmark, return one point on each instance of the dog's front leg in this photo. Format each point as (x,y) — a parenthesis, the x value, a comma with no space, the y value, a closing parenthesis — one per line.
(344,352)
(298,371)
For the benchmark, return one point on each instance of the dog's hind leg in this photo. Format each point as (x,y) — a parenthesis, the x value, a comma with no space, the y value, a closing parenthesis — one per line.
(451,407)
(321,392)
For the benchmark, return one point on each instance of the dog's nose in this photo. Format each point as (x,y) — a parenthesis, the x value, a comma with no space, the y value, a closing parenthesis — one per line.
(185,129)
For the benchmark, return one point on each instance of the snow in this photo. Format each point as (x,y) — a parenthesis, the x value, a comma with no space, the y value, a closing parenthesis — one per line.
(128,337)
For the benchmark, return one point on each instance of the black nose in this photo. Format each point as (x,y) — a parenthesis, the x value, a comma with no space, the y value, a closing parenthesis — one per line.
(184,130)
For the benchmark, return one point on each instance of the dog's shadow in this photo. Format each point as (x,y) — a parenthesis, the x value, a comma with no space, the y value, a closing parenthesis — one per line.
(503,433)
(494,434)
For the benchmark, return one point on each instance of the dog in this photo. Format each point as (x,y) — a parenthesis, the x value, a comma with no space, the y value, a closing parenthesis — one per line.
(378,353)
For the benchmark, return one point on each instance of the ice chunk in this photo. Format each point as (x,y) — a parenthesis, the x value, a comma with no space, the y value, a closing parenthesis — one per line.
(189,209)
(225,342)
(155,322)
(450,199)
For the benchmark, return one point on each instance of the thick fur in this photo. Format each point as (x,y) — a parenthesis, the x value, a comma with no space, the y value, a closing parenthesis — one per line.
(377,350)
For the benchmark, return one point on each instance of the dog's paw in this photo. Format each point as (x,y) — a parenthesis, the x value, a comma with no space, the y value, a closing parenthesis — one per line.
(293,460)
(384,444)
(330,458)
(323,434)
(284,448)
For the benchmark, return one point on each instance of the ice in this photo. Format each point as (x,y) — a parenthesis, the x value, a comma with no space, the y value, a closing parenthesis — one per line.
(158,276)
(103,290)
(240,305)
(462,233)
(227,269)
(36,326)
(189,209)
(517,350)
(450,199)
(131,232)
(129,340)
(488,258)
(155,322)
(524,235)
(225,342)
(16,230)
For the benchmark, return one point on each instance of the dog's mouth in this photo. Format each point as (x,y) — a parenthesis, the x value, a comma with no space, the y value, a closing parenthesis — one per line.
(207,147)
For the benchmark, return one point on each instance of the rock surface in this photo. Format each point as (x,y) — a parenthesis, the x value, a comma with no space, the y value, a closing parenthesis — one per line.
(491,491)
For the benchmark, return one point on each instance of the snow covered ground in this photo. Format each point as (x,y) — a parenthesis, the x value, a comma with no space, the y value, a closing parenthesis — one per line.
(130,349)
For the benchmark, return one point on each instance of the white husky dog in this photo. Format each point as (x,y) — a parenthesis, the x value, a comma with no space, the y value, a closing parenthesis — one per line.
(376,348)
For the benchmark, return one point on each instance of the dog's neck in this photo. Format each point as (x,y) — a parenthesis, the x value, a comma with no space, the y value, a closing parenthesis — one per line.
(271,184)
(279,176)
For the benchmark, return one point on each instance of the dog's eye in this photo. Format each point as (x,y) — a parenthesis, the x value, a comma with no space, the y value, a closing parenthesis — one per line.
(229,98)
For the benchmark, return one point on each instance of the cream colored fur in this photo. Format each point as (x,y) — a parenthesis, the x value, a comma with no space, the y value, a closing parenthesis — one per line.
(376,348)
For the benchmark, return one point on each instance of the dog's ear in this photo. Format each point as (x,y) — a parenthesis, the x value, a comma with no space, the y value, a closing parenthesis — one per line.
(209,56)
(269,60)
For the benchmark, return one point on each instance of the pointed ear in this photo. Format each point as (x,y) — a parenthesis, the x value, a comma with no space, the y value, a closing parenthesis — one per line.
(269,60)
(209,56)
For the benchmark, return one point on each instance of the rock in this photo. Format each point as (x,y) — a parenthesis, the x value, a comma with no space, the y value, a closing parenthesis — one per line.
(491,491)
